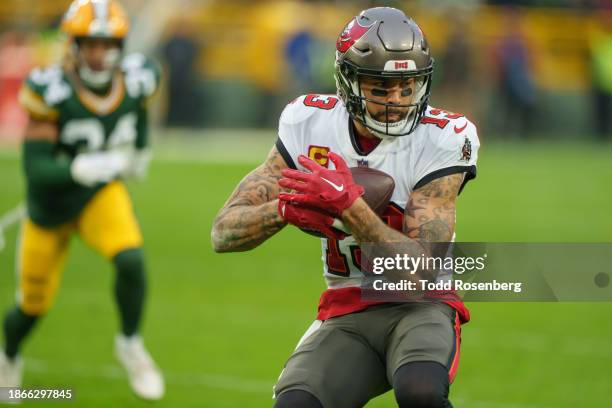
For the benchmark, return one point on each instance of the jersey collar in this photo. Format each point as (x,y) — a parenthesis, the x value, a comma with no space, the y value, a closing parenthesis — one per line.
(382,147)
(97,104)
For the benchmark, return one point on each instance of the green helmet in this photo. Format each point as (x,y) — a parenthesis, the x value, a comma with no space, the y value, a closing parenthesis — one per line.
(383,42)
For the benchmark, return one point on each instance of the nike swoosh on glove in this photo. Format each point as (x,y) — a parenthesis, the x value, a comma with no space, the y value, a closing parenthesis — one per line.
(309,219)
(328,190)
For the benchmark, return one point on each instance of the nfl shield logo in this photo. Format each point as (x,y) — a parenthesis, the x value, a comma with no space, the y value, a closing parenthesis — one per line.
(362,163)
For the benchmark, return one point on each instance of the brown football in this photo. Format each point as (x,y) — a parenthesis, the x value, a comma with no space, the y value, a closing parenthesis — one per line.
(378,187)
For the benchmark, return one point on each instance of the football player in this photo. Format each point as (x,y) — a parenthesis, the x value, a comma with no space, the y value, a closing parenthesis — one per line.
(87,131)
(380,118)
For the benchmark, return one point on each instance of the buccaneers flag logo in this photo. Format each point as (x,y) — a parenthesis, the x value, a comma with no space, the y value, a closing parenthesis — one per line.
(352,32)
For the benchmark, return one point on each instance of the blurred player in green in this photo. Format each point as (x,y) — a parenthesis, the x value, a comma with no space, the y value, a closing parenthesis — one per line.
(87,131)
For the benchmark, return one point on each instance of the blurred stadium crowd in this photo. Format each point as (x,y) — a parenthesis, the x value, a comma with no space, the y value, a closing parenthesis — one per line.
(518,68)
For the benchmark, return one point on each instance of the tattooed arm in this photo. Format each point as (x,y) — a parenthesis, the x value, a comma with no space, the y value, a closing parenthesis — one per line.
(250,215)
(429,215)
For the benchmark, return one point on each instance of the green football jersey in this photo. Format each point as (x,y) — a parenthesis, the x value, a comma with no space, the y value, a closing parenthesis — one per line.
(86,122)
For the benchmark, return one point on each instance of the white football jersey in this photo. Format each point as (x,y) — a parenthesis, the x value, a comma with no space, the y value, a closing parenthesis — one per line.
(443,143)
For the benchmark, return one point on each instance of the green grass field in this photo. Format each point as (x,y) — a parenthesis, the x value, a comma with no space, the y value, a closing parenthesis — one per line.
(221,326)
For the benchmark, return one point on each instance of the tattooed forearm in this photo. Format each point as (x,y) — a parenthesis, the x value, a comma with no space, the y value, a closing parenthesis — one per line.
(430,213)
(244,228)
(429,218)
(385,242)
(366,226)
(250,215)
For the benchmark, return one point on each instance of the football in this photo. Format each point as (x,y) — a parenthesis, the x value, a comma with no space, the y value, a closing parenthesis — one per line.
(378,187)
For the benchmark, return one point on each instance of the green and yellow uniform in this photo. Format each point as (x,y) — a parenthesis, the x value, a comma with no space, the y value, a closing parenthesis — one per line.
(59,206)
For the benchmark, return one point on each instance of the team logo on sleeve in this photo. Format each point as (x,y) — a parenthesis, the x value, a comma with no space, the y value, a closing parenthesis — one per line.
(466,150)
(319,154)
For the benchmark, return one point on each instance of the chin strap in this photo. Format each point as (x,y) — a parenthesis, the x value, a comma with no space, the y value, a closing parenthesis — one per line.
(380,128)
(95,79)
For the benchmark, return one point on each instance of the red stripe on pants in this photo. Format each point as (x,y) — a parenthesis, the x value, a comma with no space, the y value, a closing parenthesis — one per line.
(452,371)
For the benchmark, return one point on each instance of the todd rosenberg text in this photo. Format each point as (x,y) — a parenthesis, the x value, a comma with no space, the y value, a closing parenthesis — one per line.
(457,284)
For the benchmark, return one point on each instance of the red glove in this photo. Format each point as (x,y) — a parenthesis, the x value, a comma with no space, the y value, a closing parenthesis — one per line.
(309,219)
(328,190)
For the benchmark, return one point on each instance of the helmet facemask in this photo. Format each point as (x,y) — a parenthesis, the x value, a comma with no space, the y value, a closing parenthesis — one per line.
(349,82)
(98,77)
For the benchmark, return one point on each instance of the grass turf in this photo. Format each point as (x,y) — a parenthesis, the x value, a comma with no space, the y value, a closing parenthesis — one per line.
(221,326)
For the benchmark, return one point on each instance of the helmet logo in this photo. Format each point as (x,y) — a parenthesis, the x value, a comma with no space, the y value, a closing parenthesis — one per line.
(400,65)
(352,32)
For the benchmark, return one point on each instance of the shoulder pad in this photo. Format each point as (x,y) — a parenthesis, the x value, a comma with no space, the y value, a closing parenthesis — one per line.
(456,143)
(142,75)
(444,127)
(303,107)
(43,90)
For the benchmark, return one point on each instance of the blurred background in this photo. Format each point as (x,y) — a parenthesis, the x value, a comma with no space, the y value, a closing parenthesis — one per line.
(535,76)
(518,68)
